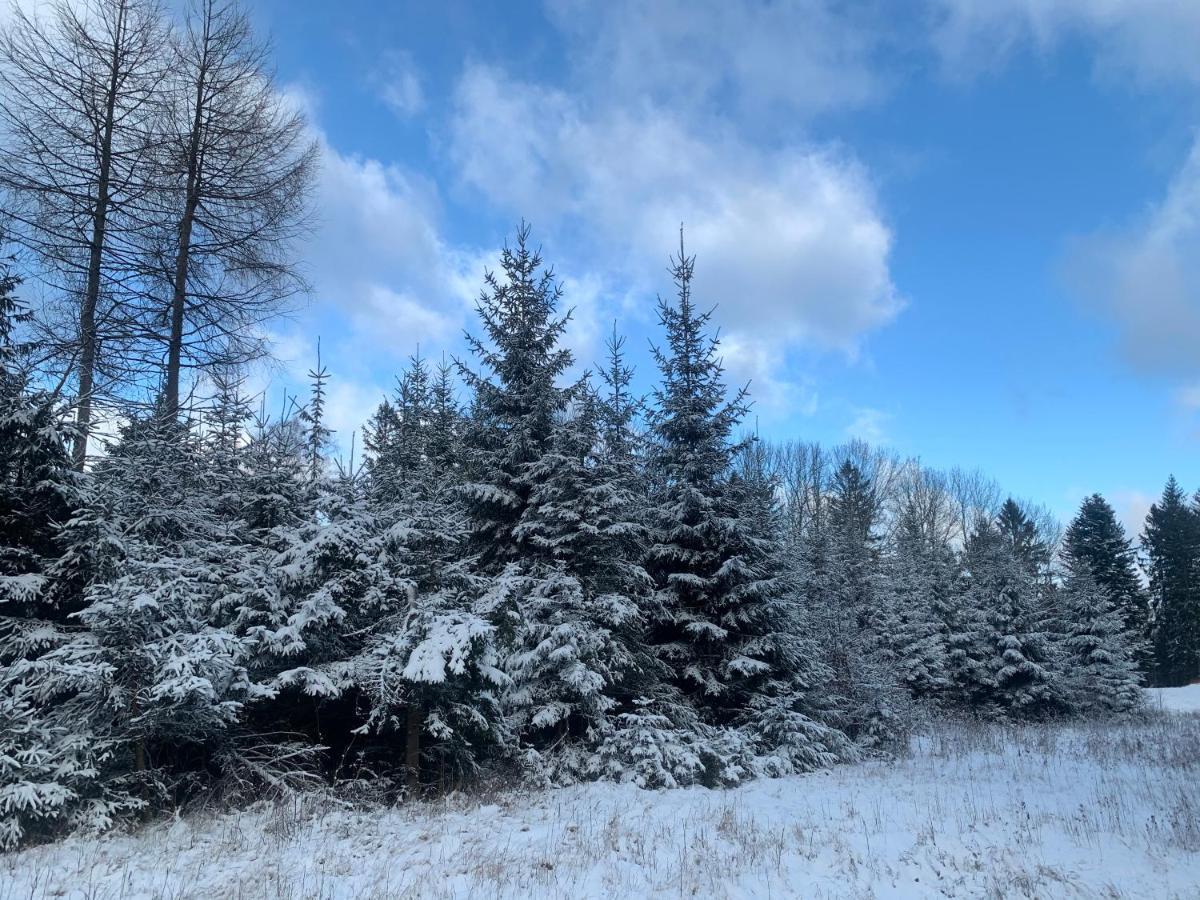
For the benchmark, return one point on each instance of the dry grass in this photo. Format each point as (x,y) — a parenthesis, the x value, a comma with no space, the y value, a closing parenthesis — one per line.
(1096,810)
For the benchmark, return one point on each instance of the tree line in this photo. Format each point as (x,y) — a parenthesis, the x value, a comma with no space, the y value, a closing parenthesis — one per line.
(556,579)
(523,573)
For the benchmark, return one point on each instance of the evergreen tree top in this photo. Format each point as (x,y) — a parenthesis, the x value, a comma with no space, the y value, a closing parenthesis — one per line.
(1020,533)
(853,506)
(1096,539)
(521,351)
(693,421)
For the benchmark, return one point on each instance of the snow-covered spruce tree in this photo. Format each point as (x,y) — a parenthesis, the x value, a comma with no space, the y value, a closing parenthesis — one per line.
(918,580)
(141,681)
(604,514)
(1101,673)
(1171,542)
(963,622)
(1020,534)
(54,773)
(517,400)
(858,615)
(163,677)
(1024,670)
(1097,541)
(727,632)
(429,669)
(36,485)
(443,443)
(536,529)
(320,568)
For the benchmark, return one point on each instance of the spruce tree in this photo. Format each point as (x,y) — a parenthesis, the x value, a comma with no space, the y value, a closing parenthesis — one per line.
(517,399)
(918,581)
(1172,545)
(859,614)
(1023,670)
(55,773)
(1096,541)
(36,486)
(151,667)
(1102,675)
(541,530)
(726,633)
(443,443)
(1021,536)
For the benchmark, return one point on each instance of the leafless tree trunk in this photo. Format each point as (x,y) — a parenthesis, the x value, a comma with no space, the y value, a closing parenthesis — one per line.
(238,168)
(75,98)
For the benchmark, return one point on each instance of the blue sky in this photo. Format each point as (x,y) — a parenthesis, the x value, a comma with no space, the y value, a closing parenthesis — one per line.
(966,230)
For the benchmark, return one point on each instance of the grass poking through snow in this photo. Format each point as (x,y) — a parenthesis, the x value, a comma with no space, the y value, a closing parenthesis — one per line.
(1097,810)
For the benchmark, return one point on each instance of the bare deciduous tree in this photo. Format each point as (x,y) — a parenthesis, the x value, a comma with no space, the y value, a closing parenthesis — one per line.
(237,169)
(76,101)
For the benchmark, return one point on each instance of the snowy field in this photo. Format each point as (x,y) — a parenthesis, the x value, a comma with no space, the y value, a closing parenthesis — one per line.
(1081,811)
(1181,699)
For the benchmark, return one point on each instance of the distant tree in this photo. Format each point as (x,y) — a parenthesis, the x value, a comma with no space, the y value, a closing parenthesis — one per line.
(1171,541)
(918,581)
(1096,541)
(1020,533)
(860,615)
(443,446)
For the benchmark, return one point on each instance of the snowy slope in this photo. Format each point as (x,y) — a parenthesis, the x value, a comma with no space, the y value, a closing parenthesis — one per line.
(1180,699)
(1026,812)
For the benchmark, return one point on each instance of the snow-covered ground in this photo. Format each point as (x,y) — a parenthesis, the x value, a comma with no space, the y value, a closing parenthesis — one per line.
(1180,699)
(1081,811)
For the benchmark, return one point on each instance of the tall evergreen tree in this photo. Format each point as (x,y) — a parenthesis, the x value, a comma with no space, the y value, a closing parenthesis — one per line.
(35,487)
(53,770)
(541,531)
(518,401)
(1023,675)
(859,616)
(443,444)
(1172,544)
(726,632)
(919,580)
(1096,541)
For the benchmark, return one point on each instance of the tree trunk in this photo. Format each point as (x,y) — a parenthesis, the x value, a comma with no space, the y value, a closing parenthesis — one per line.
(412,748)
(87,309)
(178,301)
(184,247)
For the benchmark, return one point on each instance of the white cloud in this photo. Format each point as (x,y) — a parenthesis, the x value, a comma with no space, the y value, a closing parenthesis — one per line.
(802,57)
(869,425)
(381,258)
(1189,397)
(1147,279)
(1131,507)
(790,243)
(399,85)
(1154,40)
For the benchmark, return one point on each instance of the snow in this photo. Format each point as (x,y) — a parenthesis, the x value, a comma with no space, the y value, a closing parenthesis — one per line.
(1179,699)
(1052,811)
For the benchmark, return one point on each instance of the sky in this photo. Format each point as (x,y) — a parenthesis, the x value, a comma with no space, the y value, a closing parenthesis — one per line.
(968,231)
